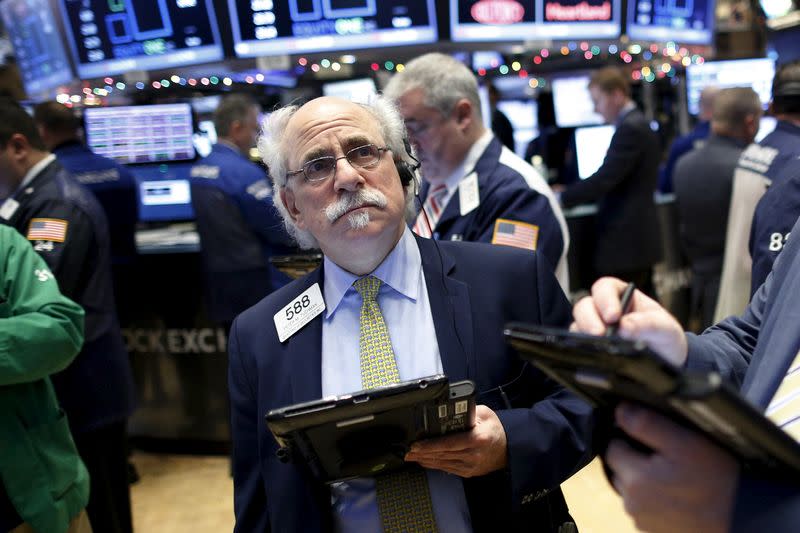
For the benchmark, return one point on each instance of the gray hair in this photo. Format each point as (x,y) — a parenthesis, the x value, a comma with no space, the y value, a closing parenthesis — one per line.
(732,107)
(232,108)
(444,80)
(272,147)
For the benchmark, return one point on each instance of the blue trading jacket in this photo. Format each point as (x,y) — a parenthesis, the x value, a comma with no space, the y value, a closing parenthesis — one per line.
(240,229)
(115,189)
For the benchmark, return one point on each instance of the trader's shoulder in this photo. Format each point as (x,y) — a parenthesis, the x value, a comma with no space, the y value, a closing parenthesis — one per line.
(260,314)
(481,256)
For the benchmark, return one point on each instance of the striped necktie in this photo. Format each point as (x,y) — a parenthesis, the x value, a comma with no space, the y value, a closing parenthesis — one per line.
(433,207)
(784,409)
(404,500)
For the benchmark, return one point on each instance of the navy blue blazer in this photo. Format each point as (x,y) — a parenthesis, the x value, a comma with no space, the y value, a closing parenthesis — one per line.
(474,289)
(754,351)
(504,192)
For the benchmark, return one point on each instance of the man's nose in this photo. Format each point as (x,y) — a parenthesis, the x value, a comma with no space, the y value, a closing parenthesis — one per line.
(346,177)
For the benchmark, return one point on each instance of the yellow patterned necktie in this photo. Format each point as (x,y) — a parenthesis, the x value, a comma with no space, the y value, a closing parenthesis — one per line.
(784,409)
(404,500)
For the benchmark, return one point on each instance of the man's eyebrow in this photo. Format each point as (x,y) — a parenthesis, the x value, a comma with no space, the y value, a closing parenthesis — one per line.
(355,142)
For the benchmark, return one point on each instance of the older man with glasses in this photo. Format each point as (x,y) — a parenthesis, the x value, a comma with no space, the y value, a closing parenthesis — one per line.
(393,306)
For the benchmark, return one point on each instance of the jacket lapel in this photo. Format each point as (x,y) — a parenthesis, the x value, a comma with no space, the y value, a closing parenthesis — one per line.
(450,307)
(304,350)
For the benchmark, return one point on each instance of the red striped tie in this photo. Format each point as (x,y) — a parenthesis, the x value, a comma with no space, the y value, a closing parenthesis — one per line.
(433,209)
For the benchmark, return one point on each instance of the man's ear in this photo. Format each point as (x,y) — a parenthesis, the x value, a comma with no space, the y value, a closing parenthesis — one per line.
(287,195)
(19,145)
(463,111)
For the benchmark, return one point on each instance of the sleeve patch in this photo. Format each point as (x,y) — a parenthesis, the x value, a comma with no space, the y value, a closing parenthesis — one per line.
(513,233)
(47,229)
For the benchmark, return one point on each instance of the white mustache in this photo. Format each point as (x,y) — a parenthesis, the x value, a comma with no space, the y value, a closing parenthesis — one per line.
(353,200)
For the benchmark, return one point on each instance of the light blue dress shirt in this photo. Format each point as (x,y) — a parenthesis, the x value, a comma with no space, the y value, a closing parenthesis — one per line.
(403,298)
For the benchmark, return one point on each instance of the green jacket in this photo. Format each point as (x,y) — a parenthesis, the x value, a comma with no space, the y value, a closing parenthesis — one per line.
(41,331)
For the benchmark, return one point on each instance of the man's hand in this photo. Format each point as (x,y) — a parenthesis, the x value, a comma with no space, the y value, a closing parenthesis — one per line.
(646,319)
(472,453)
(688,484)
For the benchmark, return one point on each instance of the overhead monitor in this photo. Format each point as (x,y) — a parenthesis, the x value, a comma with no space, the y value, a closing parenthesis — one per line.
(573,102)
(523,116)
(109,37)
(360,90)
(591,145)
(276,27)
(141,134)
(755,73)
(781,14)
(38,46)
(683,21)
(525,20)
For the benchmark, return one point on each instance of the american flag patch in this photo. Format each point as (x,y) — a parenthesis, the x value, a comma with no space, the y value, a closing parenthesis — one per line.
(47,229)
(513,233)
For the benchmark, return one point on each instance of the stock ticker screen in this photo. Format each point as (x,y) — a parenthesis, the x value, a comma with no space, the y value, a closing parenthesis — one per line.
(273,27)
(109,37)
(141,134)
(684,21)
(38,46)
(509,20)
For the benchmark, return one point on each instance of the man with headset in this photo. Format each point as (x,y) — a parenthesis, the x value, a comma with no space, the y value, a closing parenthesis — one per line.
(474,189)
(391,306)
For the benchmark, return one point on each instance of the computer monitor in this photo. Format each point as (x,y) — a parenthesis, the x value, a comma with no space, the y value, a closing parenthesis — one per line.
(360,90)
(755,73)
(573,102)
(683,21)
(109,37)
(38,47)
(514,20)
(165,193)
(141,134)
(523,115)
(591,145)
(277,27)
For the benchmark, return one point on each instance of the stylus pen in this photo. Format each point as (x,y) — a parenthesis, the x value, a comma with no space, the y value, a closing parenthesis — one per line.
(625,303)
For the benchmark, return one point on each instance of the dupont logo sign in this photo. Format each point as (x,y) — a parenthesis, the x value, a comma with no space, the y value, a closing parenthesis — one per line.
(497,11)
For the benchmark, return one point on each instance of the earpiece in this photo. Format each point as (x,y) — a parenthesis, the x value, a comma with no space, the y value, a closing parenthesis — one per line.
(406,170)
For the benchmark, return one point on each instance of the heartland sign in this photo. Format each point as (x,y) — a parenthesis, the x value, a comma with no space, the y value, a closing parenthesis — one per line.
(497,11)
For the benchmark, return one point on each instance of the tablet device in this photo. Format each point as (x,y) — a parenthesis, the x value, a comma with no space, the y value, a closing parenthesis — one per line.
(607,370)
(368,432)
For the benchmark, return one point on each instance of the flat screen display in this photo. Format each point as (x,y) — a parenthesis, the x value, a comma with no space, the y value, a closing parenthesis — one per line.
(683,21)
(361,90)
(141,134)
(591,145)
(110,37)
(38,46)
(523,117)
(755,73)
(573,102)
(524,20)
(165,192)
(276,27)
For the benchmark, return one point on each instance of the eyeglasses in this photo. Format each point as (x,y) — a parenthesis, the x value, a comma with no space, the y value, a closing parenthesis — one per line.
(322,168)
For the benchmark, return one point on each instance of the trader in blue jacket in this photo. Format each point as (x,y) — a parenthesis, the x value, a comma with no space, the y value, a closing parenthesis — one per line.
(688,483)
(236,219)
(112,184)
(474,189)
(391,306)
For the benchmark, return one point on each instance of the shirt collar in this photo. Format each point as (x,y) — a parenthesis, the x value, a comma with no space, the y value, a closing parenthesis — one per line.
(35,170)
(627,108)
(400,270)
(468,165)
